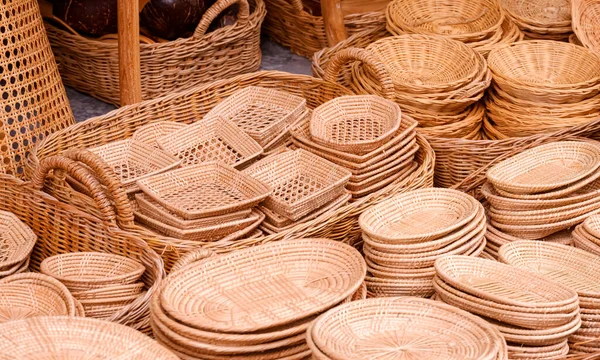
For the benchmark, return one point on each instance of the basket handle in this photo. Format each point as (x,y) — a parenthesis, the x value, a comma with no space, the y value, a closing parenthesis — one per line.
(334,67)
(82,175)
(106,175)
(211,14)
(191,257)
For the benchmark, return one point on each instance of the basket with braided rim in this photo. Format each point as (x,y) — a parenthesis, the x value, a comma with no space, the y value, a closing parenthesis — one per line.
(88,64)
(16,241)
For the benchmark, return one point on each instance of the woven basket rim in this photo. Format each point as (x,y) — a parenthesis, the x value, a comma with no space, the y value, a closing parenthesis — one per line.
(15,231)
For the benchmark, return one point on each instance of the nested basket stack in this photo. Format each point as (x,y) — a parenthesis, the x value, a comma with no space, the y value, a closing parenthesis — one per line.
(571,267)
(396,326)
(540,20)
(585,23)
(254,303)
(480,24)
(535,315)
(16,243)
(186,108)
(89,65)
(586,235)
(404,235)
(544,190)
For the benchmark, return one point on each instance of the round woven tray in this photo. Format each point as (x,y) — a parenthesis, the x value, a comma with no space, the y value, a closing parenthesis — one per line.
(16,241)
(585,23)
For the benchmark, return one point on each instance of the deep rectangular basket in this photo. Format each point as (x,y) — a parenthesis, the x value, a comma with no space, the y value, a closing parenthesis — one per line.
(204,190)
(302,182)
(262,113)
(211,139)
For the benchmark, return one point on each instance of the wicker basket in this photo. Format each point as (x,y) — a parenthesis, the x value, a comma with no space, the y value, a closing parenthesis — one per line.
(189,106)
(148,134)
(550,20)
(290,25)
(585,24)
(16,242)
(34,102)
(89,65)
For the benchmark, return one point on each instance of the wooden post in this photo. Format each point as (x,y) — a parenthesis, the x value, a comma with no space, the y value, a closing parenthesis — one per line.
(333,16)
(130,80)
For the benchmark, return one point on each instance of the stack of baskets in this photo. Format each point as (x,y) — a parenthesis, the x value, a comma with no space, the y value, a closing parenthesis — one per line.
(571,267)
(543,20)
(103,283)
(396,328)
(404,235)
(437,81)
(367,135)
(480,24)
(31,295)
(544,190)
(254,303)
(586,235)
(585,23)
(537,88)
(16,243)
(535,315)
(206,202)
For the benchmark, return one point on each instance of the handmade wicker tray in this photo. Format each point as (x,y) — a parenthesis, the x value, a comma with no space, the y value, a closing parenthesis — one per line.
(301,182)
(204,190)
(16,241)
(211,139)
(148,134)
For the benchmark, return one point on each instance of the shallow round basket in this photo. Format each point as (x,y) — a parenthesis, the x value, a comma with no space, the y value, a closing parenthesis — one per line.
(539,14)
(592,225)
(546,167)
(20,301)
(419,215)
(466,21)
(76,338)
(355,124)
(390,327)
(16,241)
(585,23)
(91,270)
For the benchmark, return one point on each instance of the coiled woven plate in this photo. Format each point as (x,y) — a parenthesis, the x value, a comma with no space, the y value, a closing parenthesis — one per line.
(403,328)
(264,286)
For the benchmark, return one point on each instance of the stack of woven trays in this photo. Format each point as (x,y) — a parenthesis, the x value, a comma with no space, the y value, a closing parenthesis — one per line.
(367,135)
(535,314)
(585,24)
(31,294)
(586,235)
(254,303)
(206,202)
(16,243)
(304,186)
(544,190)
(438,81)
(481,24)
(404,235)
(544,20)
(574,268)
(102,283)
(403,328)
(538,89)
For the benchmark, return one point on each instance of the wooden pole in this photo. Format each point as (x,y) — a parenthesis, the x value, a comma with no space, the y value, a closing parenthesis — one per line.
(130,80)
(333,17)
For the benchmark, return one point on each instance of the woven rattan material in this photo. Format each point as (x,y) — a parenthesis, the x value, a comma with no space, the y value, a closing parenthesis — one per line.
(585,23)
(260,112)
(301,182)
(204,190)
(283,282)
(355,124)
(148,134)
(403,327)
(539,15)
(21,301)
(16,241)
(34,102)
(88,65)
(74,338)
(546,167)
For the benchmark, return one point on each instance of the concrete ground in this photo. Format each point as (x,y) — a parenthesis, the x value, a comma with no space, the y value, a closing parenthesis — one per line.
(275,57)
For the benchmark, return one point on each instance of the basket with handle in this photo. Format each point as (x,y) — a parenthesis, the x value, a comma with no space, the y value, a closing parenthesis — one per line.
(88,65)
(187,107)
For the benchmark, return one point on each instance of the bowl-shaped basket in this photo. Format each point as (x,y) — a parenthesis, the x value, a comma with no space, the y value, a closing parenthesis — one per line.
(16,241)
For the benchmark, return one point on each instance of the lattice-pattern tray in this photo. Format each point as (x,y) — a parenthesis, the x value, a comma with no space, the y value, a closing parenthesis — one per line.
(149,133)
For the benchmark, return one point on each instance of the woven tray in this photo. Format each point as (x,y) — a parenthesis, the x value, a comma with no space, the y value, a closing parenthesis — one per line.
(301,182)
(211,139)
(355,124)
(19,301)
(585,24)
(132,160)
(400,176)
(204,190)
(148,134)
(265,294)
(16,241)
(260,112)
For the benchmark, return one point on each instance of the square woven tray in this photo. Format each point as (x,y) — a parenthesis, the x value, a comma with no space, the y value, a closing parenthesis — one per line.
(133,160)
(211,139)
(260,112)
(205,190)
(302,182)
(149,133)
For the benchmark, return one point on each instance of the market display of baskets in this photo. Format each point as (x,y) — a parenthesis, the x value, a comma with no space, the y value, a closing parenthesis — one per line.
(548,20)
(16,243)
(535,315)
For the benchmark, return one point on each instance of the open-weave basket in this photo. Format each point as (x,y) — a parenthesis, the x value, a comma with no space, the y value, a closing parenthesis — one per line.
(90,65)
(191,105)
(585,23)
(16,241)
(290,25)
